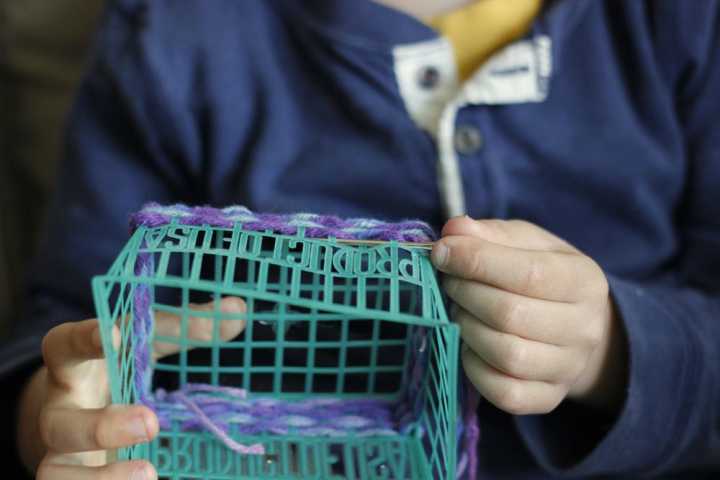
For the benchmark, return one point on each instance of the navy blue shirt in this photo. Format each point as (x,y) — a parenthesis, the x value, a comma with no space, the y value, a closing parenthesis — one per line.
(285,106)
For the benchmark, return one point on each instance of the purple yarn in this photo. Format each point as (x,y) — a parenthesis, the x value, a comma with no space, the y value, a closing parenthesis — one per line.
(316,226)
(215,408)
(209,424)
(469,460)
(207,407)
(142,326)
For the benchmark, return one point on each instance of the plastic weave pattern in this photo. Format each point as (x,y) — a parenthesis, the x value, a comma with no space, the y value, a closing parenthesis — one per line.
(347,365)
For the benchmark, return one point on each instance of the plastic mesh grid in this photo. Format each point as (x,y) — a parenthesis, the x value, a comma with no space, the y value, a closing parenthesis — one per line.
(322,319)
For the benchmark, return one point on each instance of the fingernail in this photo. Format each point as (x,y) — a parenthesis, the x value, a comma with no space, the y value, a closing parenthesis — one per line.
(440,254)
(138,429)
(232,305)
(144,472)
(459,323)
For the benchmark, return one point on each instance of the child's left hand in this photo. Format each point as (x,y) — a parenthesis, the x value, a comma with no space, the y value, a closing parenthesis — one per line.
(535,315)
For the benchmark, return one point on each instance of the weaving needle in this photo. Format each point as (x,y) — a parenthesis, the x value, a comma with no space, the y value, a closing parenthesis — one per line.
(423,245)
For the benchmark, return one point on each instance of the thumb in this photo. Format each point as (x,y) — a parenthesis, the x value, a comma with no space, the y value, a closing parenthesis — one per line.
(69,350)
(511,233)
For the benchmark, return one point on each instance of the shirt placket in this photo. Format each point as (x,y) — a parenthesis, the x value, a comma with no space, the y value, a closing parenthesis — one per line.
(428,82)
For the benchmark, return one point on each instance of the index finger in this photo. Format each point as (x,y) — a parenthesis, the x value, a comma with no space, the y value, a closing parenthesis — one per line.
(547,275)
(511,233)
(204,323)
(66,429)
(70,344)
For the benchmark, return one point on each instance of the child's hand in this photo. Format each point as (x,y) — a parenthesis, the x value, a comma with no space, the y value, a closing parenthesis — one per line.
(65,417)
(535,315)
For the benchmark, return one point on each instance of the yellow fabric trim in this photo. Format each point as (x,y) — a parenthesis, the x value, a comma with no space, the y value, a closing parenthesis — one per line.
(479,29)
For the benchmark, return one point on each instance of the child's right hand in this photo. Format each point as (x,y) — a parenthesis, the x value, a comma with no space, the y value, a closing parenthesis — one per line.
(66,425)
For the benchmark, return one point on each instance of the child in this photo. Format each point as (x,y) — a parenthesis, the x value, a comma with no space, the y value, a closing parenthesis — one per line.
(595,346)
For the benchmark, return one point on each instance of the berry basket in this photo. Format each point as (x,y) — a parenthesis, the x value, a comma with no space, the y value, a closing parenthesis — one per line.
(345,364)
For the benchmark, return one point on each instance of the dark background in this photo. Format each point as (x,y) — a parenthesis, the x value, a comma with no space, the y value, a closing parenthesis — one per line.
(44,45)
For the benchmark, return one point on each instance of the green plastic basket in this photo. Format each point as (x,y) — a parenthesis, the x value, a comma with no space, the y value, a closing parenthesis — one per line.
(324,319)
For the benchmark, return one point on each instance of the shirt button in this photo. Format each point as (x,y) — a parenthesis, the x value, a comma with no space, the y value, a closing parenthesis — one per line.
(428,77)
(468,139)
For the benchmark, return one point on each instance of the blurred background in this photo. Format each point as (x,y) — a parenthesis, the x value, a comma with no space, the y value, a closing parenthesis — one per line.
(44,45)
